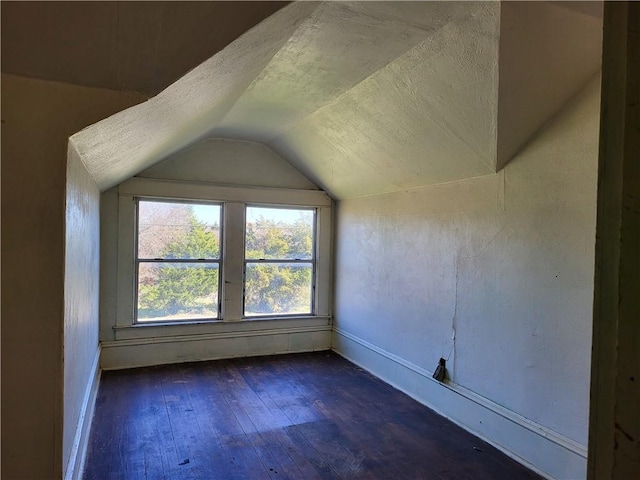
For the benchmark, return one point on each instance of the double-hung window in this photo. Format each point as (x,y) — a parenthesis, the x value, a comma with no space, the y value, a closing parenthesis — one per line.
(178,261)
(191,256)
(279,265)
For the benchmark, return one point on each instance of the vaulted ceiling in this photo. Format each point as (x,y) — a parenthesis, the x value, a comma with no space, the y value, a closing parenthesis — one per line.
(362,97)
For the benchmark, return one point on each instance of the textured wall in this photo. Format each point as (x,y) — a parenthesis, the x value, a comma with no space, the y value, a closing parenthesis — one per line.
(503,263)
(37,119)
(232,162)
(81,292)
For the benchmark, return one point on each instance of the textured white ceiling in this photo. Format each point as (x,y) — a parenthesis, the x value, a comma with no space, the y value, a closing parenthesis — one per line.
(368,97)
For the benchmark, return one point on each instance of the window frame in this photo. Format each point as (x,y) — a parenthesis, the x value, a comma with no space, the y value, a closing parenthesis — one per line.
(231,291)
(138,260)
(313,261)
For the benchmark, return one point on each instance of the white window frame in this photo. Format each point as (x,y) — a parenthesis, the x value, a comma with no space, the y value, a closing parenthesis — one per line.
(234,201)
(312,261)
(139,260)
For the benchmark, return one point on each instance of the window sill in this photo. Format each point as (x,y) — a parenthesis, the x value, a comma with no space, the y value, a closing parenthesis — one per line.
(204,327)
(168,324)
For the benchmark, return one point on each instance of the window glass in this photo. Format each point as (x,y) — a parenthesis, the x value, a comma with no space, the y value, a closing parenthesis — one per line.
(278,289)
(279,233)
(178,230)
(279,261)
(177,291)
(178,261)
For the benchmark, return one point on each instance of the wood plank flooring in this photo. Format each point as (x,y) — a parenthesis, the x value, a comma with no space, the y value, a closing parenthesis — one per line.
(302,416)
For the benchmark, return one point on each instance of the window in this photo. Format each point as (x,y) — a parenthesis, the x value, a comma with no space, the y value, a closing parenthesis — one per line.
(191,256)
(279,261)
(178,261)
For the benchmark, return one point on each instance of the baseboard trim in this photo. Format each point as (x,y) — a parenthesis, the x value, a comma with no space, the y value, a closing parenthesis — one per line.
(83,429)
(546,452)
(144,352)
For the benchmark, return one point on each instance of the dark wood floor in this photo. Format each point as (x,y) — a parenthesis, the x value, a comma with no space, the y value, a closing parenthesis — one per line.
(304,416)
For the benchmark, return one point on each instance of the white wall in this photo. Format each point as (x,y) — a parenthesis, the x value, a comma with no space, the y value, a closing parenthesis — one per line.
(229,162)
(503,264)
(81,310)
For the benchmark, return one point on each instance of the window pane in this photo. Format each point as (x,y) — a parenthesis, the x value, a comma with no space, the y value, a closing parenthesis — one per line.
(277,289)
(172,291)
(279,233)
(178,230)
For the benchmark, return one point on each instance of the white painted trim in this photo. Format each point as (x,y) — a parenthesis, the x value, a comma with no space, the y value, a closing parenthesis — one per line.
(213,336)
(175,329)
(140,352)
(324,263)
(126,278)
(232,271)
(75,466)
(546,452)
(205,191)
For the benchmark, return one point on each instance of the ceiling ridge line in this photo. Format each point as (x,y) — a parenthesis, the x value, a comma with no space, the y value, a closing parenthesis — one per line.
(190,129)
(368,77)
(246,89)
(244,36)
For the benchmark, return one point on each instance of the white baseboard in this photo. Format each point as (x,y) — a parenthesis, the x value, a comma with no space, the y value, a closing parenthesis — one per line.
(81,437)
(142,352)
(535,446)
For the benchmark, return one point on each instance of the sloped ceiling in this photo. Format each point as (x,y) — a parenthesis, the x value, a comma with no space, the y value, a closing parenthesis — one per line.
(368,97)
(547,55)
(134,46)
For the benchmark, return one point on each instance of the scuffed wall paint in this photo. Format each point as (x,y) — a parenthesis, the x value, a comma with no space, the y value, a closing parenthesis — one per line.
(494,273)
(81,293)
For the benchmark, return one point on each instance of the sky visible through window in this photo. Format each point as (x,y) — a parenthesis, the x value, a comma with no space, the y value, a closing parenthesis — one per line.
(286,215)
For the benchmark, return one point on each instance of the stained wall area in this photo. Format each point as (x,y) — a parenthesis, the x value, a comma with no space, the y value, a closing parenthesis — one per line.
(494,274)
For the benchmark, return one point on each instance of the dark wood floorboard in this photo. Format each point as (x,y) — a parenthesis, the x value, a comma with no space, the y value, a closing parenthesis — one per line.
(299,417)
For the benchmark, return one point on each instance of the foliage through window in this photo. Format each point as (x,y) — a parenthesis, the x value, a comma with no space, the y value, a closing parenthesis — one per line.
(279,261)
(221,258)
(178,261)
